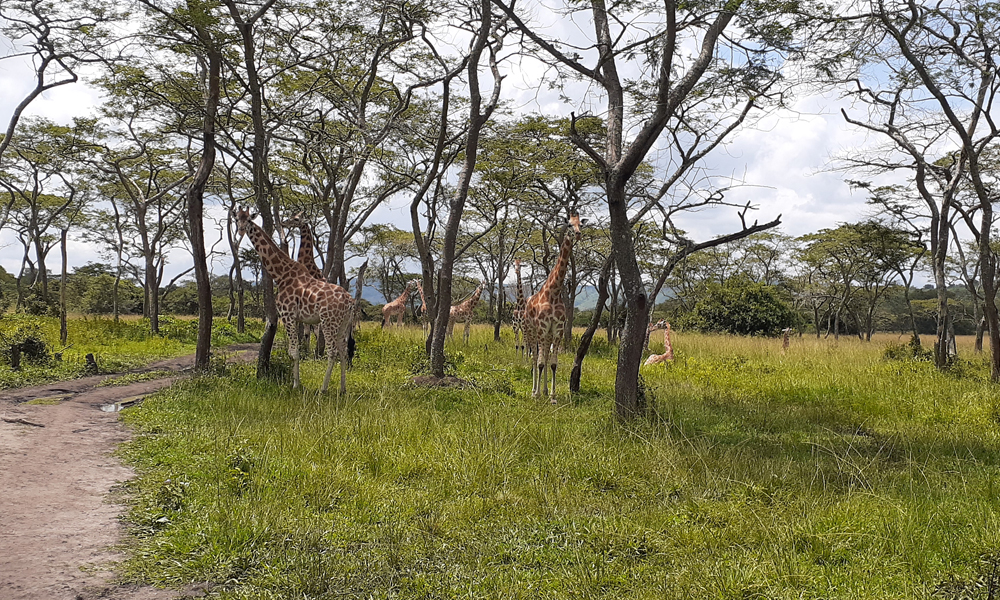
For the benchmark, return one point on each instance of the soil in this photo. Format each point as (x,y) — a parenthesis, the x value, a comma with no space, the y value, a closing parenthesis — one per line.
(59,521)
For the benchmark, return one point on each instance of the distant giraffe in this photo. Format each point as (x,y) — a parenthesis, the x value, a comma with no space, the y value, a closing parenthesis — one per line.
(302,298)
(668,349)
(424,322)
(786,334)
(545,318)
(517,317)
(464,312)
(397,308)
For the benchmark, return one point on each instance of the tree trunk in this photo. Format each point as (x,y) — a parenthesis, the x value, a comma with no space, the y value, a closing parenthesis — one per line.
(195,207)
(628,401)
(988,268)
(63,332)
(477,118)
(152,295)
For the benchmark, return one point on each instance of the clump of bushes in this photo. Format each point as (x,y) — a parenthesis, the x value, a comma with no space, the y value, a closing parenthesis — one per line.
(911,350)
(24,337)
(742,307)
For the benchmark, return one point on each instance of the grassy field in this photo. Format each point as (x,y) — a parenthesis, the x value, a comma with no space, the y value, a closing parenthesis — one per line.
(827,473)
(117,346)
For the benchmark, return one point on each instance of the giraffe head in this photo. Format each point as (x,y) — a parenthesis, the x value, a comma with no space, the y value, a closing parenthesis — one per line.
(413,283)
(661,324)
(296,220)
(243,217)
(574,222)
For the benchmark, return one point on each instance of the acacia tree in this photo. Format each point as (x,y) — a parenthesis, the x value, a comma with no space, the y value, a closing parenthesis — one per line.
(703,97)
(42,178)
(59,37)
(928,77)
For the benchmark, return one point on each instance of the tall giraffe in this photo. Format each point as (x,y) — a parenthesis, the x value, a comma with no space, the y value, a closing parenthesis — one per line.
(397,308)
(302,298)
(545,318)
(668,349)
(517,317)
(464,312)
(424,322)
(305,258)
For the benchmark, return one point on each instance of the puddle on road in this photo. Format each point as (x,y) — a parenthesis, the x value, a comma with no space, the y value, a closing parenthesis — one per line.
(126,403)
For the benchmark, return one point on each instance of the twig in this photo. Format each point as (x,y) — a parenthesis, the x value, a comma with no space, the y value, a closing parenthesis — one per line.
(21,421)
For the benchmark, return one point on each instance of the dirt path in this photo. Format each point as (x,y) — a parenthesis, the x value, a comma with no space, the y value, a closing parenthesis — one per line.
(57,523)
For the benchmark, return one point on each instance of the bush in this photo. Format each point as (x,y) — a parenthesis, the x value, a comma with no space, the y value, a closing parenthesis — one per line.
(26,334)
(742,307)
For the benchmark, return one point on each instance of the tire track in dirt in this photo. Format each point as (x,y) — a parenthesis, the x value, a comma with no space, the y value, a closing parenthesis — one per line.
(57,522)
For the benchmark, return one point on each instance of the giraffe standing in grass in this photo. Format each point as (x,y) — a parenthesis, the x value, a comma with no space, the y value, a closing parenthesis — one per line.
(397,308)
(464,312)
(302,298)
(668,349)
(545,318)
(305,258)
(517,317)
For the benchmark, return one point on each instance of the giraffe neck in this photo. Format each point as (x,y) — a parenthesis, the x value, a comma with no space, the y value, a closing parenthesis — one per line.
(306,245)
(520,286)
(271,257)
(554,282)
(404,296)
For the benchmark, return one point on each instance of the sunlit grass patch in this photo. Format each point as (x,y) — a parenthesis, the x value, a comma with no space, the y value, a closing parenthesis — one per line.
(824,472)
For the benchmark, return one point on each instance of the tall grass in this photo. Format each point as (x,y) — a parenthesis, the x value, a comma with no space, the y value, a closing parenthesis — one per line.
(824,473)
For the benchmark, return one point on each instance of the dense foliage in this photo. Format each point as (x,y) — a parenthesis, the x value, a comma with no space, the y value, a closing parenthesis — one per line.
(741,306)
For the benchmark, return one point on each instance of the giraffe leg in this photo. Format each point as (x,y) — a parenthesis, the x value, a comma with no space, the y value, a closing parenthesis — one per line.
(291,330)
(468,324)
(451,328)
(331,353)
(543,373)
(554,357)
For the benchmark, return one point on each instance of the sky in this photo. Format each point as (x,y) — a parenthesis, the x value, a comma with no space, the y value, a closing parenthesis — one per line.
(784,162)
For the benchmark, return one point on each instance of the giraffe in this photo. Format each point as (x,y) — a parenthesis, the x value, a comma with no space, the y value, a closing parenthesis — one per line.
(545,318)
(424,323)
(668,349)
(305,258)
(302,298)
(649,331)
(786,333)
(517,317)
(463,312)
(397,308)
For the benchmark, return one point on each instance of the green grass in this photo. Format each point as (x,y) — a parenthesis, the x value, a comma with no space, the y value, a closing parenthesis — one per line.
(826,473)
(117,347)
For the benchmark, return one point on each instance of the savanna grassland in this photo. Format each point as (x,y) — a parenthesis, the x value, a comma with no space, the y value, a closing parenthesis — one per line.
(830,472)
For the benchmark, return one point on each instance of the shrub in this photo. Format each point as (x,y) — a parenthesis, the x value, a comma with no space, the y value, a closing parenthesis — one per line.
(742,307)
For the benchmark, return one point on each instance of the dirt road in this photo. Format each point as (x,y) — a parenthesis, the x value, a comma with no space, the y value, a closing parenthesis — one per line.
(57,522)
